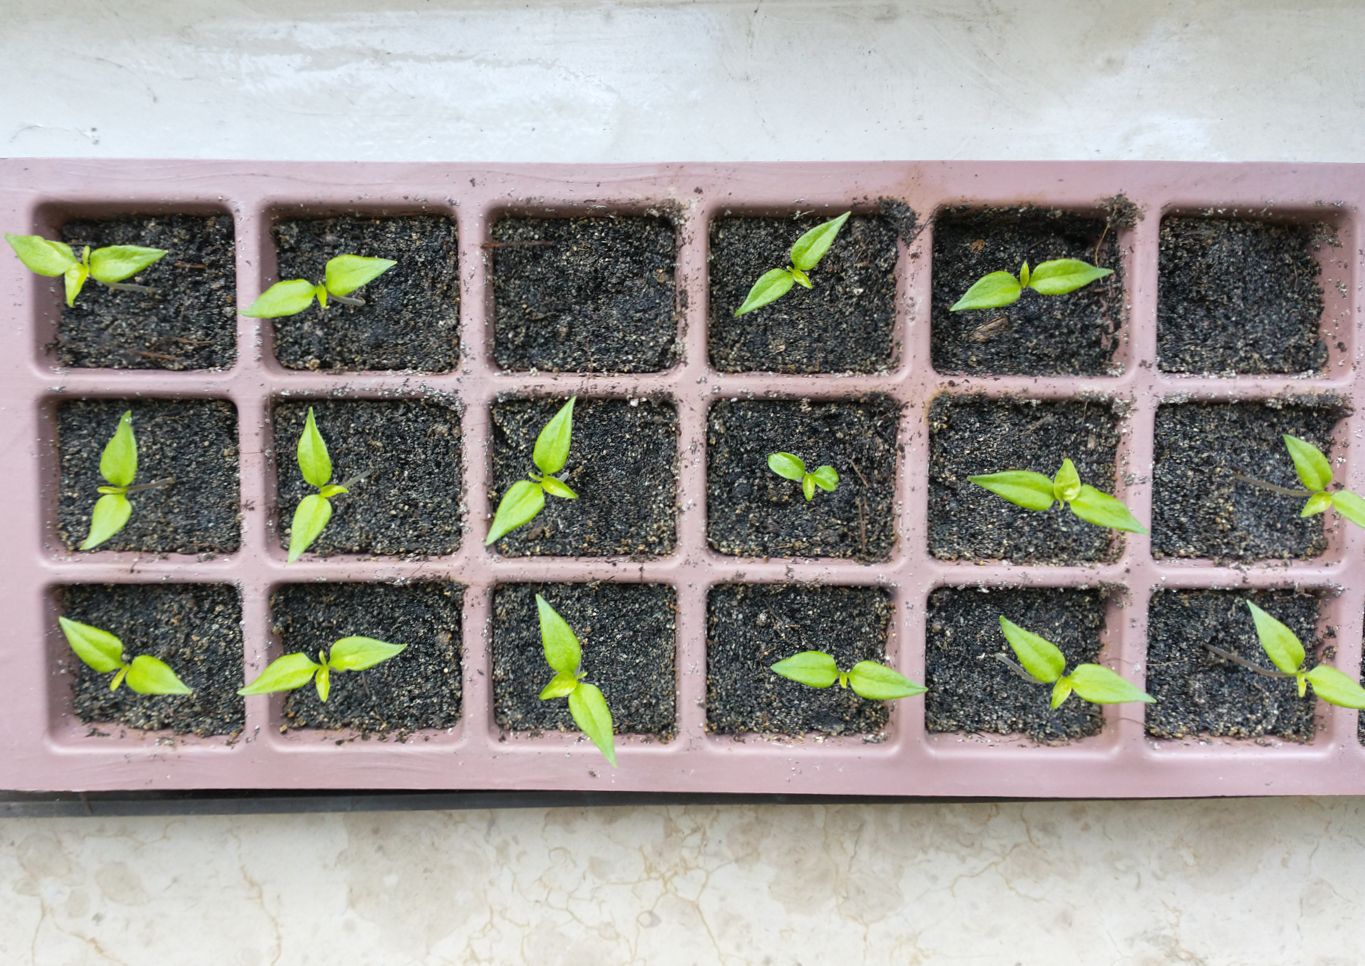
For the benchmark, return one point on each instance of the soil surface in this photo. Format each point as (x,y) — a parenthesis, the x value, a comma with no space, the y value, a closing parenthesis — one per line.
(1073,334)
(844,323)
(585,294)
(1200,508)
(191,443)
(411,315)
(419,688)
(406,454)
(622,464)
(195,628)
(1239,296)
(751,627)
(971,436)
(628,633)
(753,512)
(1199,693)
(189,321)
(971,691)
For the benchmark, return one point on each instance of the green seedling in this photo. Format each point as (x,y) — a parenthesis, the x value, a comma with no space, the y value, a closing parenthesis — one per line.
(102,651)
(1057,277)
(293,671)
(565,657)
(1034,491)
(314,510)
(805,255)
(118,466)
(343,275)
(109,266)
(525,499)
(1315,473)
(1040,660)
(868,679)
(793,468)
(1286,652)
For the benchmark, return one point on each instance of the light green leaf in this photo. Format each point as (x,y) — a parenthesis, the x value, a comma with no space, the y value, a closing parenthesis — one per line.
(992,291)
(811,247)
(109,516)
(283,674)
(877,682)
(560,686)
(314,461)
(75,281)
(40,256)
(1037,655)
(827,478)
(118,461)
(361,653)
(1032,491)
(323,682)
(1103,510)
(554,486)
(808,487)
(118,678)
(552,445)
(1061,690)
(94,646)
(1281,644)
(560,643)
(518,507)
(289,297)
(1316,504)
(787,466)
(320,293)
(1336,688)
(1099,685)
(1349,505)
(770,287)
(801,278)
(150,675)
(1066,485)
(593,717)
(310,518)
(114,264)
(1314,471)
(346,273)
(331,490)
(1063,275)
(815,669)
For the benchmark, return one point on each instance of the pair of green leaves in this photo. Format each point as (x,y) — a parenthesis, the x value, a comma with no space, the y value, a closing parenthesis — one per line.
(793,468)
(524,499)
(586,702)
(1034,491)
(1286,652)
(1315,473)
(1057,277)
(293,671)
(314,510)
(118,466)
(868,679)
(343,275)
(805,255)
(109,265)
(1046,664)
(103,652)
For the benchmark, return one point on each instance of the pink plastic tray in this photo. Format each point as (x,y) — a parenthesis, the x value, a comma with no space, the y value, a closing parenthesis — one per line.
(43,748)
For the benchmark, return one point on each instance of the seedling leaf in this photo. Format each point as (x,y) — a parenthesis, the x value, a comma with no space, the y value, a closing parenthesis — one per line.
(1281,644)
(118,461)
(94,646)
(40,256)
(992,291)
(114,264)
(283,674)
(314,462)
(110,515)
(1350,505)
(346,273)
(75,281)
(808,487)
(323,682)
(770,287)
(1336,688)
(877,682)
(562,650)
(1103,510)
(360,653)
(518,507)
(593,717)
(289,297)
(1061,690)
(150,675)
(827,478)
(560,686)
(811,247)
(554,486)
(118,678)
(1032,491)
(552,445)
(787,466)
(815,669)
(310,519)
(1038,656)
(1066,485)
(1314,471)
(1063,275)
(1099,685)
(1317,503)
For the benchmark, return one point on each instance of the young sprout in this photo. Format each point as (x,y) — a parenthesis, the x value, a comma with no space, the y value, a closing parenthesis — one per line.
(805,255)
(1315,473)
(344,274)
(868,679)
(1043,662)
(1286,652)
(1057,277)
(110,265)
(524,499)
(293,671)
(1034,491)
(315,509)
(103,652)
(118,466)
(565,657)
(793,468)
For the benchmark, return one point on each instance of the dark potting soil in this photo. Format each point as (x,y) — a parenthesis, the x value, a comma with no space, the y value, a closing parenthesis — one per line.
(1073,334)
(192,444)
(844,323)
(973,435)
(753,512)
(1199,693)
(1239,296)
(411,315)
(622,464)
(195,628)
(971,691)
(404,458)
(1200,508)
(418,688)
(585,294)
(751,627)
(188,321)
(628,634)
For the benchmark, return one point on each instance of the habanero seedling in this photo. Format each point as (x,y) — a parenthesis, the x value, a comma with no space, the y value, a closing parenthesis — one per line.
(524,499)
(110,266)
(1035,491)
(806,253)
(1057,277)
(587,704)
(342,276)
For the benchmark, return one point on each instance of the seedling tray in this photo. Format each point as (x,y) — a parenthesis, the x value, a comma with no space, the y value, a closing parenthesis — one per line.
(43,747)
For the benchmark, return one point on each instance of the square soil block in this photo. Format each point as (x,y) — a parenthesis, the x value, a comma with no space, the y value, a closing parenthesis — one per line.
(195,628)
(411,316)
(974,435)
(1201,509)
(187,321)
(1199,693)
(419,688)
(1073,334)
(623,464)
(628,633)
(1238,295)
(753,512)
(585,294)
(972,692)
(191,444)
(403,457)
(845,323)
(751,627)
